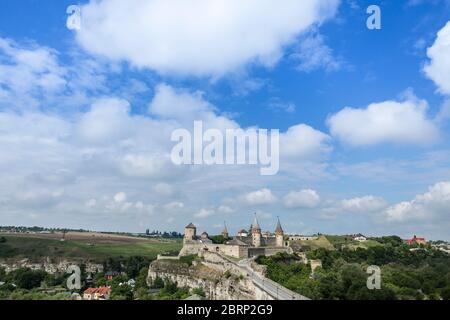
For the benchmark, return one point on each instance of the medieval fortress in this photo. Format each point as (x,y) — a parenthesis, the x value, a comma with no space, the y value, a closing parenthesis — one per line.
(225,267)
(246,244)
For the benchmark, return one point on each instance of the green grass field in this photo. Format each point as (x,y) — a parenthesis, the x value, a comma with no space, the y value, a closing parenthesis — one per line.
(321,242)
(346,241)
(36,248)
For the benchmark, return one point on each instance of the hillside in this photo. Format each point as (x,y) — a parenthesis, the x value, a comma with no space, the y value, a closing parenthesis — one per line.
(307,245)
(92,246)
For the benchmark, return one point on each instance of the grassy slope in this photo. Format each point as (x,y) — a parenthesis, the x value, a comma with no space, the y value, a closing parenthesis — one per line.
(32,248)
(322,242)
(349,243)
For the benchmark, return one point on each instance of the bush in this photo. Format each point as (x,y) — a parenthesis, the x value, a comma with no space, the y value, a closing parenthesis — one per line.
(158,283)
(199,292)
(26,278)
(188,259)
(445,293)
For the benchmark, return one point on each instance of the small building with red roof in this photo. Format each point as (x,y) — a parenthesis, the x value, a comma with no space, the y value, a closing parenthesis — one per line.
(101,293)
(416,240)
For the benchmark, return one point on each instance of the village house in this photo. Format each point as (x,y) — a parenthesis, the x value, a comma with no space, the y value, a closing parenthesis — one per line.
(102,293)
(359,237)
(111,275)
(415,240)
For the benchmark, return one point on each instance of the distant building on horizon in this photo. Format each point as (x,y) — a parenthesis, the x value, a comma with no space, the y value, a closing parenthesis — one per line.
(416,240)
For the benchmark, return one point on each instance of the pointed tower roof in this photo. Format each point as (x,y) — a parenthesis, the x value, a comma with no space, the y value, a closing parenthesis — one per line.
(255,224)
(191,226)
(225,229)
(279,229)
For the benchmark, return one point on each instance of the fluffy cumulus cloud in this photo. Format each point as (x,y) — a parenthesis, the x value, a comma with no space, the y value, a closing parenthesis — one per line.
(115,163)
(366,204)
(304,142)
(438,67)
(259,197)
(200,37)
(385,122)
(30,71)
(204,213)
(433,205)
(301,199)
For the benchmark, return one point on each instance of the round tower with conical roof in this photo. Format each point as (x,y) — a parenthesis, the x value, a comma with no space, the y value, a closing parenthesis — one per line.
(279,234)
(256,233)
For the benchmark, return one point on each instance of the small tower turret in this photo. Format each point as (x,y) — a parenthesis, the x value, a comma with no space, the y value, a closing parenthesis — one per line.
(225,231)
(279,234)
(256,233)
(190,233)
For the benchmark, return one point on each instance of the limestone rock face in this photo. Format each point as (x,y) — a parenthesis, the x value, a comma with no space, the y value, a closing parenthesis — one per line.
(218,279)
(50,266)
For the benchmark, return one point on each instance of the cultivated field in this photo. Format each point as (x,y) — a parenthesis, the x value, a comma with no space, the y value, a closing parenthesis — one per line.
(92,246)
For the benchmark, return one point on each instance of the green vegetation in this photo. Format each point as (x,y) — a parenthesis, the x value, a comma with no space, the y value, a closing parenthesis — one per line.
(199,291)
(130,257)
(321,242)
(189,260)
(406,274)
(36,248)
(27,284)
(218,239)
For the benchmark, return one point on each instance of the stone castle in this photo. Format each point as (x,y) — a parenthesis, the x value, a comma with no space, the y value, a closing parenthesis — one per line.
(245,244)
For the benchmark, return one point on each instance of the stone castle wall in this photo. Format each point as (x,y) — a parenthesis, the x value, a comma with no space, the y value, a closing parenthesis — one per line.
(228,250)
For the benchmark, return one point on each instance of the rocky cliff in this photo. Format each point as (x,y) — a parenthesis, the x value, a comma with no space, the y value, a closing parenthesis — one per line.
(51,266)
(215,282)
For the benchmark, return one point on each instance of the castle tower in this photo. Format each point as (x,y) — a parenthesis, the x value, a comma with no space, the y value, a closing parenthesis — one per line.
(279,234)
(190,233)
(256,233)
(225,231)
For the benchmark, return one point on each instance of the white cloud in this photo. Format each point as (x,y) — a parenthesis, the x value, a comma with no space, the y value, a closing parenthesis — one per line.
(108,120)
(313,53)
(120,197)
(91,203)
(276,104)
(225,209)
(201,38)
(204,213)
(302,141)
(259,197)
(302,199)
(30,68)
(174,206)
(438,68)
(366,204)
(385,122)
(430,206)
(29,72)
(163,189)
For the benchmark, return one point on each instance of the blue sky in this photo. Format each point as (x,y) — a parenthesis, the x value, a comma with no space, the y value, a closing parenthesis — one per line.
(86,124)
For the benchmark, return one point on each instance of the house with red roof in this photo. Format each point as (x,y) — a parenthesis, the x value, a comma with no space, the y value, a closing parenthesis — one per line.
(416,240)
(102,293)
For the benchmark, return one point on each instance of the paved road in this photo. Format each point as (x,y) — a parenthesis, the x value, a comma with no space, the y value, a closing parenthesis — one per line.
(275,290)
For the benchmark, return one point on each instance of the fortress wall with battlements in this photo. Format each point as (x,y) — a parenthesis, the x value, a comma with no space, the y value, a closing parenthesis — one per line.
(227,250)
